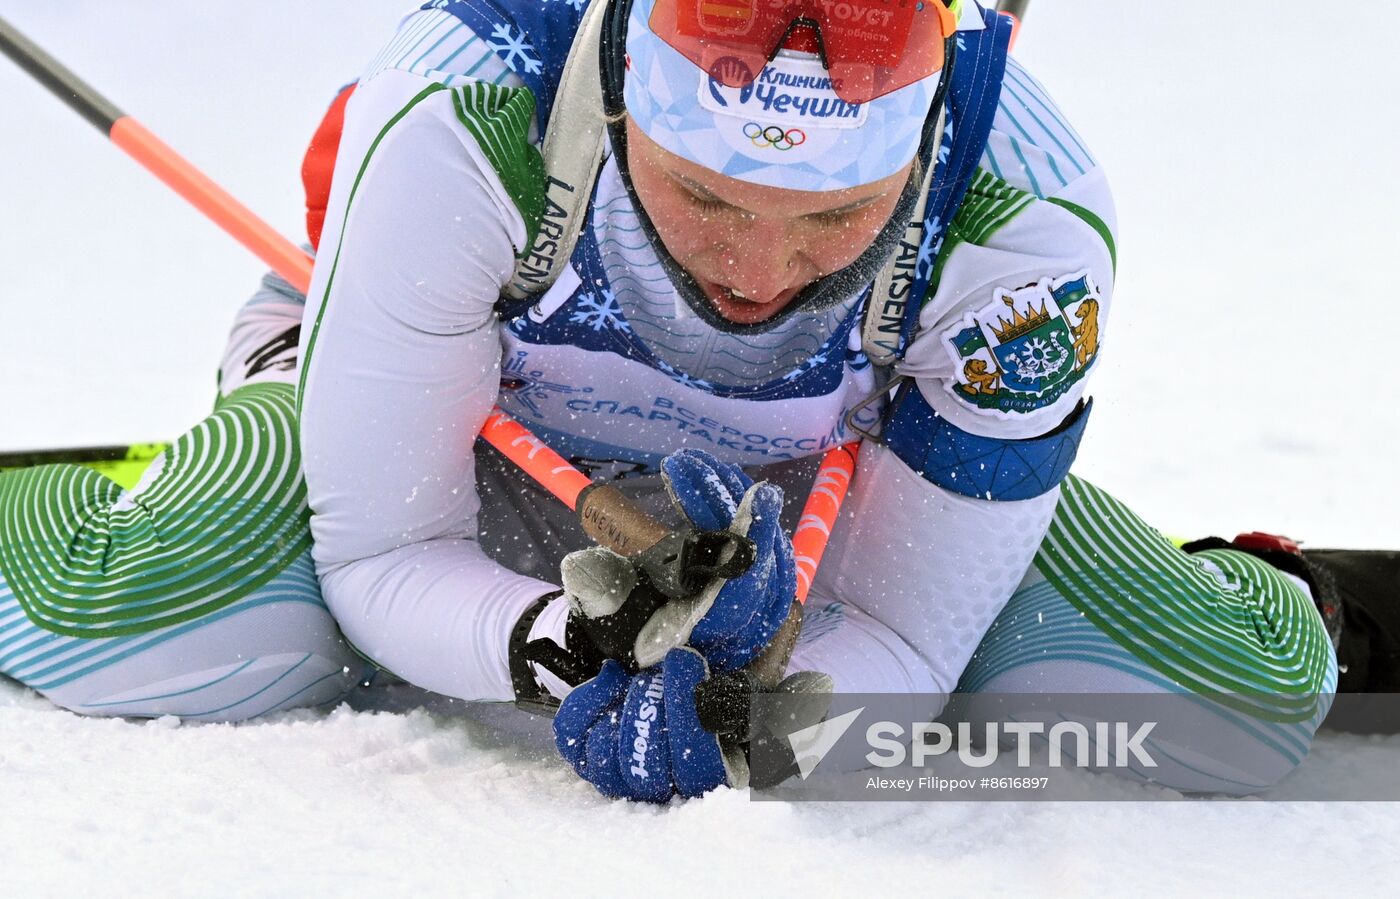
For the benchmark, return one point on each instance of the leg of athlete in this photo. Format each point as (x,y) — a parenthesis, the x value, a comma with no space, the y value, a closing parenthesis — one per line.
(192,594)
(1112,607)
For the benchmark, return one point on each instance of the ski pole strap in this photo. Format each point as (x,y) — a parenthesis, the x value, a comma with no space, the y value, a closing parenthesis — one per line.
(973,97)
(573,154)
(890,294)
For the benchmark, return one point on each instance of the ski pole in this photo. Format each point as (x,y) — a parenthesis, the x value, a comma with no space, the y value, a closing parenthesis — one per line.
(596,503)
(121,464)
(1015,10)
(819,515)
(677,561)
(158,158)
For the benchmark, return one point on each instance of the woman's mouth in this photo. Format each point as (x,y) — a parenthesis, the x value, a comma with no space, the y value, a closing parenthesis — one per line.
(743,310)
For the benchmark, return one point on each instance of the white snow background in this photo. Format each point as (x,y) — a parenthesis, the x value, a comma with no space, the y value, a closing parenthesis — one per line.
(1248,381)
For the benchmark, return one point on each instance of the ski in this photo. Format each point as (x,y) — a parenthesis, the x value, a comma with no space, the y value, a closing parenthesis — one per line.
(122,463)
(83,455)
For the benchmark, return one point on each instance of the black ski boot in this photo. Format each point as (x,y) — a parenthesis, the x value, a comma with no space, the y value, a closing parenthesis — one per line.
(1368,659)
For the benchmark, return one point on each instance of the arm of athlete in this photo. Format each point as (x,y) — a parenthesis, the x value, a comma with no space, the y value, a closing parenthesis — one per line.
(945,518)
(401,360)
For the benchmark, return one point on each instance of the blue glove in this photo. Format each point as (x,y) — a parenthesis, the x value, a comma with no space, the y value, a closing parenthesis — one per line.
(731,621)
(640,737)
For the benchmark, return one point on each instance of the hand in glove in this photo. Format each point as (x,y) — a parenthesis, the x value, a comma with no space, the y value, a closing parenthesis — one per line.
(616,614)
(644,737)
(732,621)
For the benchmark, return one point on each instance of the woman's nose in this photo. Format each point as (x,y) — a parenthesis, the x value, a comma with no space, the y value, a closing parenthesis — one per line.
(759,263)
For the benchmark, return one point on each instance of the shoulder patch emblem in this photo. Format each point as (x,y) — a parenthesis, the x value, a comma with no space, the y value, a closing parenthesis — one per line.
(1027,347)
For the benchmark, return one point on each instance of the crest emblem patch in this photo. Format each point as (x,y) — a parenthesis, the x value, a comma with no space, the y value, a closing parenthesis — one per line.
(1028,347)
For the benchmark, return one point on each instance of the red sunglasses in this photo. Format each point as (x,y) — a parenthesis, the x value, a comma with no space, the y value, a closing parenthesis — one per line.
(869,47)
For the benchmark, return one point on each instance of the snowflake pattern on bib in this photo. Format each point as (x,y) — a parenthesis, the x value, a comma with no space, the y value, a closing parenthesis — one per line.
(515,48)
(599,310)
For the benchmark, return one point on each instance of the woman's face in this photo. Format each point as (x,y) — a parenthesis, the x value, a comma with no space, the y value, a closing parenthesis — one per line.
(752,248)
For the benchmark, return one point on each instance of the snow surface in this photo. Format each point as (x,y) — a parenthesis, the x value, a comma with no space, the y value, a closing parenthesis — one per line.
(1248,382)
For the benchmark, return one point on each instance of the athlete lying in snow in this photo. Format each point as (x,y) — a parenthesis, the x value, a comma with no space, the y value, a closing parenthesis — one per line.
(743,285)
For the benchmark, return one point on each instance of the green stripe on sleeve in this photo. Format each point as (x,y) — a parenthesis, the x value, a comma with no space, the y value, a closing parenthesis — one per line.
(499,118)
(1093,221)
(349,204)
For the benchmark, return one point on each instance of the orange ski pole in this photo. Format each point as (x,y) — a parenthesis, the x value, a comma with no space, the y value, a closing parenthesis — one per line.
(819,515)
(283,256)
(546,467)
(1015,10)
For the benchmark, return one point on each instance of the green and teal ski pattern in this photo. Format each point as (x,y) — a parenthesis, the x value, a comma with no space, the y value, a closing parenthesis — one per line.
(226,514)
(45,661)
(1255,642)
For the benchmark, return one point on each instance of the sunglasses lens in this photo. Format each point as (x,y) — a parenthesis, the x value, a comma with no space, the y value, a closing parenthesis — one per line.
(871,47)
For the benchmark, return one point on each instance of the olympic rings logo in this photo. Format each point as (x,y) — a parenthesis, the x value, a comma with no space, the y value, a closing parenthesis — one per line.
(775,137)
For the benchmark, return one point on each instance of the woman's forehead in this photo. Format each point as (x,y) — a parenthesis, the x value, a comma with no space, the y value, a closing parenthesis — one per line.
(756,197)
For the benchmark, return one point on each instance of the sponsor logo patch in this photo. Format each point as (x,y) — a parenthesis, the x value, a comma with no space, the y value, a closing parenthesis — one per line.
(790,91)
(1027,347)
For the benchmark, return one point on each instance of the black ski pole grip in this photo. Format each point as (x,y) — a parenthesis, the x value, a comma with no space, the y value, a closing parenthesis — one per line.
(680,562)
